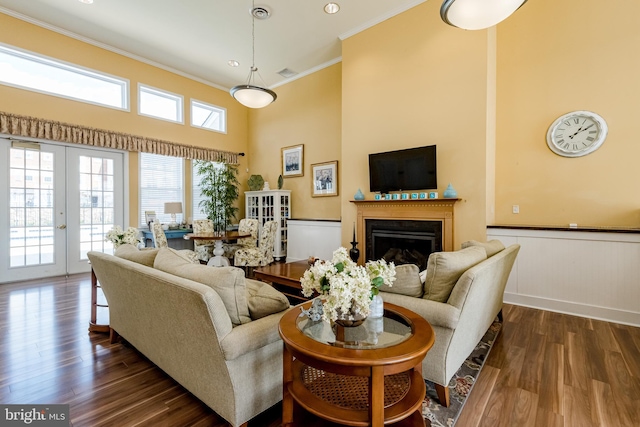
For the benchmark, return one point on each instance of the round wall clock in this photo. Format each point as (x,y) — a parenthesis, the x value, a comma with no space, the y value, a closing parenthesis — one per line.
(576,134)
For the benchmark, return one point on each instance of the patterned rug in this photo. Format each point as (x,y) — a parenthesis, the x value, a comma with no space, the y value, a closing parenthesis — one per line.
(460,385)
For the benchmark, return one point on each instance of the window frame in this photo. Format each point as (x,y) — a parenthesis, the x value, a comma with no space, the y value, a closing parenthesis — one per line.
(161,216)
(40,59)
(163,93)
(204,105)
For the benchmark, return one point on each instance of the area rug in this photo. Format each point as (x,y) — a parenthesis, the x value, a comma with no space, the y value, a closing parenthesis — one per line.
(460,385)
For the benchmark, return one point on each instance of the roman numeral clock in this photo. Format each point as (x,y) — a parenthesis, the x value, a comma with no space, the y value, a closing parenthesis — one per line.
(576,134)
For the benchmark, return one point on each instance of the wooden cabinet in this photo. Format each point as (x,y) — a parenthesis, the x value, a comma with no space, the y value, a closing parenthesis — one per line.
(271,205)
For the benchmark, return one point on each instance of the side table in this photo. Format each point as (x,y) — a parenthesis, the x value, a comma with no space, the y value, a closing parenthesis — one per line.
(93,325)
(371,377)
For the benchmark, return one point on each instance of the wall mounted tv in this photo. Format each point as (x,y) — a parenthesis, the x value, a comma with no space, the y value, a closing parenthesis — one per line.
(403,170)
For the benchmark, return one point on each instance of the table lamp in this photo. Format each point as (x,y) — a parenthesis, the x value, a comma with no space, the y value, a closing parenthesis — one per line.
(173,208)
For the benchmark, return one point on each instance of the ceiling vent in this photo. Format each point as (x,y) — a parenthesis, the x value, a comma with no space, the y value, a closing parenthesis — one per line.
(286,73)
(260,12)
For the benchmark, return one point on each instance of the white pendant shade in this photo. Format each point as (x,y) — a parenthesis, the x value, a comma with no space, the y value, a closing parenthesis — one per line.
(253,96)
(477,14)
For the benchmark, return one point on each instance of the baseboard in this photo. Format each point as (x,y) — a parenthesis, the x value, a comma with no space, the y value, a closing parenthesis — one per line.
(582,310)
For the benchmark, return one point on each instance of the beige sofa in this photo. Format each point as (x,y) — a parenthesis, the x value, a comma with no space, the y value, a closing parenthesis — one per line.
(211,329)
(461,297)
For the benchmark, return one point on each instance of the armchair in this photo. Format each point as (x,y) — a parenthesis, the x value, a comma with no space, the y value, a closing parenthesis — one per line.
(263,254)
(160,241)
(246,225)
(204,248)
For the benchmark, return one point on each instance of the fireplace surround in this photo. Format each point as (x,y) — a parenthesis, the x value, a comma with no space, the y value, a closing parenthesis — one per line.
(436,214)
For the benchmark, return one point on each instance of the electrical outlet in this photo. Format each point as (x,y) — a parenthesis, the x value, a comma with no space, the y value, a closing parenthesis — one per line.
(516,209)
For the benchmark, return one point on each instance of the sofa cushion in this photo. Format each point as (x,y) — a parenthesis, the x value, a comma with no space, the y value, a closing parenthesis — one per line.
(407,281)
(445,268)
(228,282)
(492,246)
(264,299)
(132,253)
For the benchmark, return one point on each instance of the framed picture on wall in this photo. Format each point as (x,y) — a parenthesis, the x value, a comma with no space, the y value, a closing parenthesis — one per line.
(324,179)
(293,161)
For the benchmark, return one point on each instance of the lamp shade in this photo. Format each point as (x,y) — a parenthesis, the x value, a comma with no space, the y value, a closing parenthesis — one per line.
(253,96)
(477,14)
(173,207)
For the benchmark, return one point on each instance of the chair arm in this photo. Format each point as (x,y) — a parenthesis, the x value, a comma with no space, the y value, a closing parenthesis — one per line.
(436,313)
(251,336)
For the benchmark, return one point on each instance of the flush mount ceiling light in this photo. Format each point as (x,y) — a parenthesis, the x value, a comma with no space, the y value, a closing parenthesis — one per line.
(477,14)
(251,95)
(331,8)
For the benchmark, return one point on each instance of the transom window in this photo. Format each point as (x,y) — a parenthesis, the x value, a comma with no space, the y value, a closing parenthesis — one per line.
(160,104)
(208,116)
(30,71)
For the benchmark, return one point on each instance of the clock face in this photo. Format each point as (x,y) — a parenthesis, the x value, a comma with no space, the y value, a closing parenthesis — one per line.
(576,134)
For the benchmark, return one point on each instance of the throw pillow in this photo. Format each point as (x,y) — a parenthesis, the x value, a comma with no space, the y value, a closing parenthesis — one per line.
(263,299)
(423,276)
(132,253)
(492,246)
(407,281)
(445,268)
(228,282)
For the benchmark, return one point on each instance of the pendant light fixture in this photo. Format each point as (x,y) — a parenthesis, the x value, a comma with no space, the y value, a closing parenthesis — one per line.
(477,14)
(249,94)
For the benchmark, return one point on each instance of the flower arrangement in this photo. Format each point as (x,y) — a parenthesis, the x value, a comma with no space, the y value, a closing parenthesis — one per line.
(118,236)
(346,287)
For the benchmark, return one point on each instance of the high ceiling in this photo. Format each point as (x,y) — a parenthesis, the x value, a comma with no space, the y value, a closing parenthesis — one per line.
(198,37)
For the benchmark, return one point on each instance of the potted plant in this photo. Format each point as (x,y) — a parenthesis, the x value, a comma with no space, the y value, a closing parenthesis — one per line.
(219,188)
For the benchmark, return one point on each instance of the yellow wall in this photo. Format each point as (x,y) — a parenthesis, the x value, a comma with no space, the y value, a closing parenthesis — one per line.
(307,111)
(412,81)
(555,57)
(26,36)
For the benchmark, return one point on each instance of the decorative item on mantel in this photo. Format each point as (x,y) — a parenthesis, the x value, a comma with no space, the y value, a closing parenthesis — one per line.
(450,192)
(358,196)
(354,252)
(346,288)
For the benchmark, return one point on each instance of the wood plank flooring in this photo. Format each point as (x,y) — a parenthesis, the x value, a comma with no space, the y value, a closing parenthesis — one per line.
(546,369)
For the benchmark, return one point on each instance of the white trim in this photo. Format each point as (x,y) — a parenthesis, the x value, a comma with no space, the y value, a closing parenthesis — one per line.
(308,72)
(162,93)
(379,19)
(192,100)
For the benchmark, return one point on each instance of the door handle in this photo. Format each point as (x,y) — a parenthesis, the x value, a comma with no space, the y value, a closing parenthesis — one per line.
(62,227)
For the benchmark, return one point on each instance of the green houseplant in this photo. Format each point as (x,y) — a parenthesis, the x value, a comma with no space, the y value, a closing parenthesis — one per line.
(219,188)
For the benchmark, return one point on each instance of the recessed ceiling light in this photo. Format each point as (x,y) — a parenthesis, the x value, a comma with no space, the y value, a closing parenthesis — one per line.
(233,63)
(86,1)
(331,8)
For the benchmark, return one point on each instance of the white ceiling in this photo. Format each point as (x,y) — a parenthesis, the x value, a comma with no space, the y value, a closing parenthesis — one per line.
(198,37)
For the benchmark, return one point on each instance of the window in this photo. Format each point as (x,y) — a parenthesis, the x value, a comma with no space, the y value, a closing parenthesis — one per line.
(208,116)
(196,196)
(159,104)
(161,180)
(29,71)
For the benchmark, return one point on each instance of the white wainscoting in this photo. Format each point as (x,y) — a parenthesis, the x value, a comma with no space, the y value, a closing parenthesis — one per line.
(306,238)
(585,273)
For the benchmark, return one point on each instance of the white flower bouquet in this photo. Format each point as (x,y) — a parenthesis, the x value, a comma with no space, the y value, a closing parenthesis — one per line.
(118,236)
(346,287)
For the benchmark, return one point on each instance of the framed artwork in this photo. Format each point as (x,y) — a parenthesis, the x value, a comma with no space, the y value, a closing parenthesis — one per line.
(324,179)
(293,161)
(149,217)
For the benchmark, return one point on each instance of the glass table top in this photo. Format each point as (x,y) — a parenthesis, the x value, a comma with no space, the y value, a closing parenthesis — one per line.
(374,333)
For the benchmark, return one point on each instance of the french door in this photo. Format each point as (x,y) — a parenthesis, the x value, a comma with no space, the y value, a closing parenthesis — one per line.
(56,204)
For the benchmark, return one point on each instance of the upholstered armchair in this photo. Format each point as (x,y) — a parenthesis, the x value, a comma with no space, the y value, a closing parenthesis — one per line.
(204,248)
(263,254)
(160,241)
(246,225)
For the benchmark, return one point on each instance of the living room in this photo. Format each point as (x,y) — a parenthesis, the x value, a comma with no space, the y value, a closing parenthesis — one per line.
(485,98)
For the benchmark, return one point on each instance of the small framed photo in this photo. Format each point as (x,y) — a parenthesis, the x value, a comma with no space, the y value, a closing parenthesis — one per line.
(324,179)
(293,161)
(149,217)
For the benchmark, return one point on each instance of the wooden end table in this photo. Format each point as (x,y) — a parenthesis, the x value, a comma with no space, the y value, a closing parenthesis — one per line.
(285,278)
(373,377)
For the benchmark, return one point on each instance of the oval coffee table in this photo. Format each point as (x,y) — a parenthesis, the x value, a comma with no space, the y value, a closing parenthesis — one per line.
(370,375)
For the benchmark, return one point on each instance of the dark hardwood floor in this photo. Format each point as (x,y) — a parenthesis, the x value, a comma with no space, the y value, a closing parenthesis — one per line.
(546,369)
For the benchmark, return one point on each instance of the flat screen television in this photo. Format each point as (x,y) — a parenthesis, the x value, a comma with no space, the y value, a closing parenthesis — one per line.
(403,170)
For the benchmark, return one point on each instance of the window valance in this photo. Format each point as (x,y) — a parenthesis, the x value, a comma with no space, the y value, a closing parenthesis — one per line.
(33,127)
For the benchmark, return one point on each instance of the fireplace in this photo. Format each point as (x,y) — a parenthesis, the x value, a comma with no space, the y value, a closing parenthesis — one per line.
(423,225)
(402,241)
